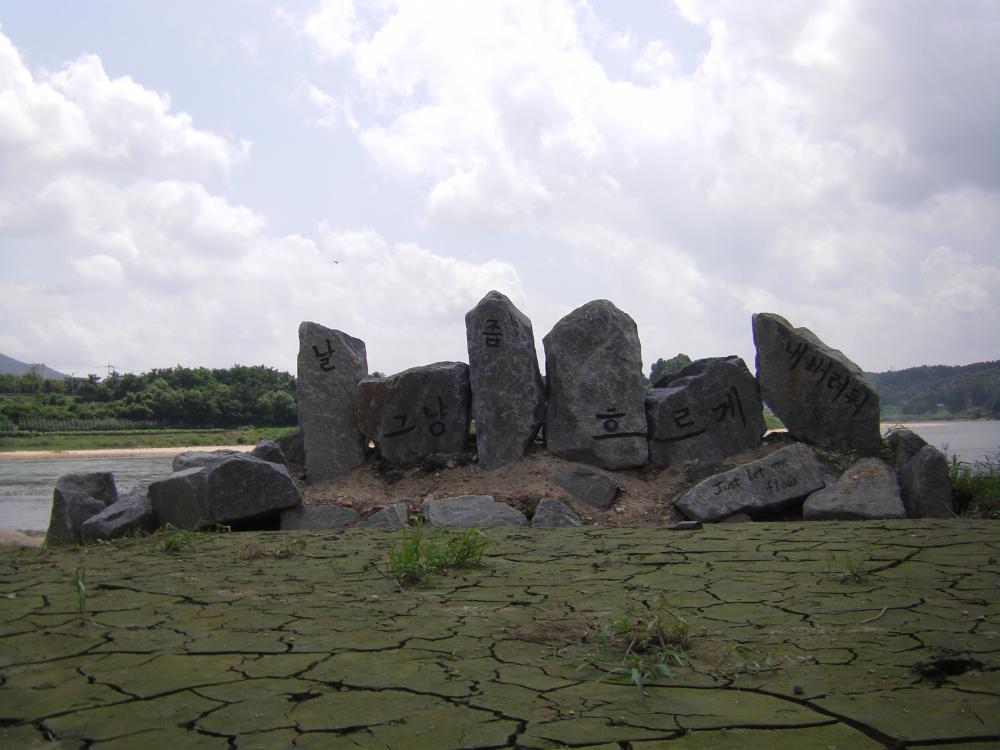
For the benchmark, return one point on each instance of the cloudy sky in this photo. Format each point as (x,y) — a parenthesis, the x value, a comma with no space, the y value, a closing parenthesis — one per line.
(184,182)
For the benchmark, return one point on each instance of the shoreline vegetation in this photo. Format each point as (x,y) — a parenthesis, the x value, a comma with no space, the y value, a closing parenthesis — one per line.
(140,439)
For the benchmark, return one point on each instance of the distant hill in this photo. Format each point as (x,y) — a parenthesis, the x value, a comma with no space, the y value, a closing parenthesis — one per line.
(11,366)
(940,391)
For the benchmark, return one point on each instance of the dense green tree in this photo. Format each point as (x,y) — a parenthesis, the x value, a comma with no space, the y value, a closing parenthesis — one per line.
(663,367)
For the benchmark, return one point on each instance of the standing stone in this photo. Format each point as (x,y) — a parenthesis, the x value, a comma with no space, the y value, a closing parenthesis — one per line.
(417,412)
(868,490)
(710,410)
(508,396)
(822,397)
(925,482)
(330,365)
(76,498)
(766,485)
(593,368)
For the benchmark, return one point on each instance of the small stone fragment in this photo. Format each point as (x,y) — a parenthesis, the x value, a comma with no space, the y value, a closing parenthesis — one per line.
(392,516)
(130,513)
(822,397)
(330,365)
(925,484)
(76,498)
(418,412)
(867,490)
(552,513)
(317,517)
(466,511)
(708,411)
(589,487)
(593,366)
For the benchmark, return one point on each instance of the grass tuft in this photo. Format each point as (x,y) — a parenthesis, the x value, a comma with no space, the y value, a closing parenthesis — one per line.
(975,486)
(417,557)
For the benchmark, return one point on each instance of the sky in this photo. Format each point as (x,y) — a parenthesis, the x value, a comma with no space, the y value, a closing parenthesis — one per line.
(182,183)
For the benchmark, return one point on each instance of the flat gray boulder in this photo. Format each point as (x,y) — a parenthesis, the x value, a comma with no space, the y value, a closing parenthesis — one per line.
(868,490)
(318,517)
(594,489)
(238,490)
(766,485)
(418,412)
(822,397)
(132,512)
(925,484)
(197,459)
(508,395)
(330,365)
(466,511)
(396,516)
(551,513)
(593,368)
(76,498)
(708,411)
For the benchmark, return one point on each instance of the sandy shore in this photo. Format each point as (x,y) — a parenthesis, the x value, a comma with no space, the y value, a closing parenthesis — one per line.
(112,452)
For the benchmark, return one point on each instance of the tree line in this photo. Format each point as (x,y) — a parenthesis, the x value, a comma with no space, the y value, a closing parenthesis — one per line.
(170,397)
(969,391)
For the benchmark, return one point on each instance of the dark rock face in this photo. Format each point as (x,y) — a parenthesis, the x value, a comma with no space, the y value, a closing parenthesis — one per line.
(330,365)
(197,459)
(593,365)
(268,450)
(466,511)
(508,396)
(764,485)
(867,490)
(417,412)
(131,512)
(236,490)
(593,489)
(552,513)
(76,498)
(293,449)
(392,516)
(904,445)
(706,412)
(317,517)
(925,482)
(821,396)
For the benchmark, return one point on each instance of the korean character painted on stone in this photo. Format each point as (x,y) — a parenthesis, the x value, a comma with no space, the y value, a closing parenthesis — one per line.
(493,333)
(324,357)
(437,428)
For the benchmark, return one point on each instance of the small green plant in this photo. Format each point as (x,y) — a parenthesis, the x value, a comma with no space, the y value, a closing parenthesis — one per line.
(416,557)
(80,586)
(849,568)
(172,540)
(975,487)
(284,551)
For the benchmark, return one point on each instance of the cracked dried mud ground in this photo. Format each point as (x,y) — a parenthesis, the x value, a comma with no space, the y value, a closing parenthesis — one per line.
(802,636)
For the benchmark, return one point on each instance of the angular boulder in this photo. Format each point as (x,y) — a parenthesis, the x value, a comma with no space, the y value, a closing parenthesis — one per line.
(822,397)
(238,490)
(925,484)
(593,366)
(293,449)
(708,411)
(903,445)
(76,498)
(132,512)
(868,490)
(551,513)
(330,365)
(466,511)
(268,450)
(418,412)
(393,516)
(594,489)
(508,395)
(317,517)
(197,459)
(766,485)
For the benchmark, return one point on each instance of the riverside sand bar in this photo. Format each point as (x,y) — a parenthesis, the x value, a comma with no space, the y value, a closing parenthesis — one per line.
(814,635)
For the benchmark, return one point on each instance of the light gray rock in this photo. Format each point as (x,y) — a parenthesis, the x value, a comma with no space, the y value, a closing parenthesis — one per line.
(197,459)
(318,517)
(330,365)
(593,365)
(76,498)
(268,450)
(418,412)
(508,396)
(868,490)
(551,513)
(131,512)
(466,511)
(710,410)
(594,489)
(396,515)
(822,397)
(766,485)
(238,490)
(925,484)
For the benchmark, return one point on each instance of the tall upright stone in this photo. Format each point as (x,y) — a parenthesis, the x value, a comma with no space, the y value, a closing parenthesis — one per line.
(330,366)
(508,396)
(709,410)
(417,412)
(593,368)
(822,397)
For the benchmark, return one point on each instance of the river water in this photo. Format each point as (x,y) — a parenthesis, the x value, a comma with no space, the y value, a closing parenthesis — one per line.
(26,484)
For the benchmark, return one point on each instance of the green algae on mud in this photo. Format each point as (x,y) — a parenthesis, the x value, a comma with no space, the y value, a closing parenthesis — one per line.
(211,649)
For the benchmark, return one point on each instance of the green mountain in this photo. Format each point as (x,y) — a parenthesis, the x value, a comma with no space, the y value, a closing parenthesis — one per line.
(11,366)
(940,391)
